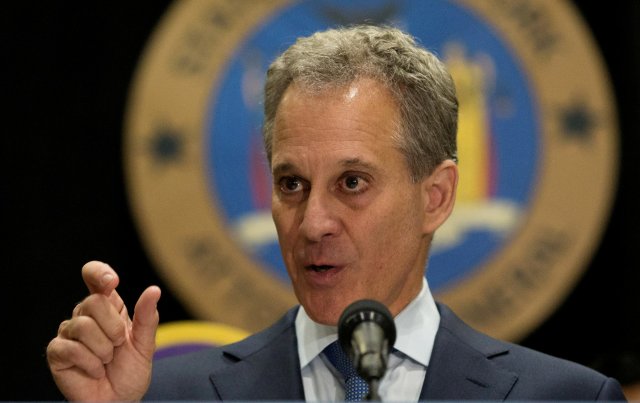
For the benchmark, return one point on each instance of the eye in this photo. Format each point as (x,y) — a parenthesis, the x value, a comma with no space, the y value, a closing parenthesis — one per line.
(354,184)
(290,184)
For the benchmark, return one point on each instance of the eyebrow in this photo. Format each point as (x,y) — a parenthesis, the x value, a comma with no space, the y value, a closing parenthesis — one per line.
(358,163)
(349,163)
(280,168)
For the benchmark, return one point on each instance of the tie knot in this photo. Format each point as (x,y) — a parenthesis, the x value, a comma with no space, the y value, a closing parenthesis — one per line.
(356,388)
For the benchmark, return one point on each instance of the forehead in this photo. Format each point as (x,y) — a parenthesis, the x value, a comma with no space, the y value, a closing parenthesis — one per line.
(357,118)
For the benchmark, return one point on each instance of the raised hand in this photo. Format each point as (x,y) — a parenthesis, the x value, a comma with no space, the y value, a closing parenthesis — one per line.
(101,353)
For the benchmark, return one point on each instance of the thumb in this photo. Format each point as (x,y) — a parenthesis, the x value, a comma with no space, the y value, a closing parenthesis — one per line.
(145,321)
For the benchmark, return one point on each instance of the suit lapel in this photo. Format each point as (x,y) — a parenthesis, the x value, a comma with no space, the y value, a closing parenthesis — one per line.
(264,367)
(461,366)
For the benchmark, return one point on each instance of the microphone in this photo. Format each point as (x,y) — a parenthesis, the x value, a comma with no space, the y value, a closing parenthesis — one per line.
(366,332)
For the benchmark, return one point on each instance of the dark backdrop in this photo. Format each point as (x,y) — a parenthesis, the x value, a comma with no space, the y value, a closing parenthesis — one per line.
(63,199)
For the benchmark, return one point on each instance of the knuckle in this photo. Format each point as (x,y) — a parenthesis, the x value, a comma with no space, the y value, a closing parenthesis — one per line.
(105,352)
(85,360)
(117,332)
(63,354)
(94,305)
(52,349)
(63,325)
(95,300)
(77,327)
(60,353)
(77,310)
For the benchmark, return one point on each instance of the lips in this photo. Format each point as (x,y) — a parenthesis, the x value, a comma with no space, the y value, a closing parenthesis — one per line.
(319,268)
(322,275)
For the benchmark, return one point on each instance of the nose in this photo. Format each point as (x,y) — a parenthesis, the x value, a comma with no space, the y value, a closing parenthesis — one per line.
(320,217)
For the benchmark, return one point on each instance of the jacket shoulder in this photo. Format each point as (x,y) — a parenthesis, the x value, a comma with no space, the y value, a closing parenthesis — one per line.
(188,376)
(539,375)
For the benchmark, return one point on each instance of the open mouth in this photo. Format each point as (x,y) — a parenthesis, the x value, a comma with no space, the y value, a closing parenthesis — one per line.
(319,269)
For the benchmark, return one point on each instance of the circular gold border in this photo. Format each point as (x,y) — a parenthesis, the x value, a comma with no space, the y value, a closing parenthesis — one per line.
(507,297)
(520,286)
(182,332)
(172,202)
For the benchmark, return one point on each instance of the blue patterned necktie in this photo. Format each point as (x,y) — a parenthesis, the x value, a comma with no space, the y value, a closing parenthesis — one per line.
(355,387)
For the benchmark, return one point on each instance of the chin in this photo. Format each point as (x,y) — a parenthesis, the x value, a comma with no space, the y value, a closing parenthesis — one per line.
(322,315)
(321,311)
(324,310)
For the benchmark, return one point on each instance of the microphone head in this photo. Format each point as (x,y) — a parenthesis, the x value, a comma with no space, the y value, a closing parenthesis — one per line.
(365,310)
(367,313)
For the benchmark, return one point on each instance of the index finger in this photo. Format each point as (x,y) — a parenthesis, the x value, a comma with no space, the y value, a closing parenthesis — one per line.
(99,278)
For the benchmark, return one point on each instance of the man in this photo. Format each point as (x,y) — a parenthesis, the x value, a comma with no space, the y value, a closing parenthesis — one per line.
(360,133)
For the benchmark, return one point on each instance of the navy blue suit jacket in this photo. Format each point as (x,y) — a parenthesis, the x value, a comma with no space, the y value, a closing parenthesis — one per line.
(465,364)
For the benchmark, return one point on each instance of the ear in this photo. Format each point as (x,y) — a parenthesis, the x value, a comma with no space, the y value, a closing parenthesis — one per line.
(439,192)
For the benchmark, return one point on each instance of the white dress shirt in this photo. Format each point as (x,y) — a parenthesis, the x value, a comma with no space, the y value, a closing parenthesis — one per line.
(416,328)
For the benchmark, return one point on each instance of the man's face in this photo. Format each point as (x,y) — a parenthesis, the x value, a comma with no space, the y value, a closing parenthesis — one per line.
(349,218)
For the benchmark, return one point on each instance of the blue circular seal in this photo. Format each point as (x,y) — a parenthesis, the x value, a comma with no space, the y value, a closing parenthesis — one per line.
(537,144)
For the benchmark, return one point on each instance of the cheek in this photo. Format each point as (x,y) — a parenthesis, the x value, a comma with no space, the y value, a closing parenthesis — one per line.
(394,234)
(284,220)
(279,214)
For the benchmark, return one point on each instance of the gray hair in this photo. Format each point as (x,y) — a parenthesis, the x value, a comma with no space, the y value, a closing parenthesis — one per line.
(422,87)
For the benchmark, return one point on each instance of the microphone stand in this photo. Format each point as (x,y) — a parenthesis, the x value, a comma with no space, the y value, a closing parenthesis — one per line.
(366,331)
(373,395)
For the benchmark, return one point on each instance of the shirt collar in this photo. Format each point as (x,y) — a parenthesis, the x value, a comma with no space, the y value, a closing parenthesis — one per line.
(416,327)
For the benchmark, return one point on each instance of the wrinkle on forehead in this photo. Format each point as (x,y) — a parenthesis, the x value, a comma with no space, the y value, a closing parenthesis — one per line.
(334,120)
